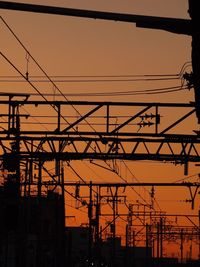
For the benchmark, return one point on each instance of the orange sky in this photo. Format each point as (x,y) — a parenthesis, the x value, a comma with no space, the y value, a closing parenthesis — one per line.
(75,46)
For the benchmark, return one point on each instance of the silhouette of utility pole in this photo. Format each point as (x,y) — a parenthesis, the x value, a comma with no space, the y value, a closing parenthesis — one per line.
(194,12)
(34,142)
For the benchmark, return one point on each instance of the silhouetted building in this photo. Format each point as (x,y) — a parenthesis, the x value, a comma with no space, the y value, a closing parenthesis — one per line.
(107,253)
(77,246)
(31,230)
(116,255)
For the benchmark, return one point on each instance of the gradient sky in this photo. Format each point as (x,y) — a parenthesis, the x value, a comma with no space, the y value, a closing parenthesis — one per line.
(73,46)
(77,46)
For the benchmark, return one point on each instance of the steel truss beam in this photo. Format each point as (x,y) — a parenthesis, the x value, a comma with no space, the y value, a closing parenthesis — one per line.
(99,130)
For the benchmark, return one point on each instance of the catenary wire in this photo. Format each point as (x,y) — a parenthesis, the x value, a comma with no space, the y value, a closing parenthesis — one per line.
(35,62)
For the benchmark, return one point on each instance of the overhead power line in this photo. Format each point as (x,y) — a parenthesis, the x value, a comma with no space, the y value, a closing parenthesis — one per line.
(64,79)
(26,78)
(120,93)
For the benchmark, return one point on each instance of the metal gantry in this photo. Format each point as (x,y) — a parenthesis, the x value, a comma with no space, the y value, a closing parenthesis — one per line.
(153,229)
(33,133)
(67,131)
(98,130)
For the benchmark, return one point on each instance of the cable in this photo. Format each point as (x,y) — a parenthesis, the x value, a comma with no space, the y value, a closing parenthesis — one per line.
(42,95)
(35,119)
(122,93)
(185,178)
(90,80)
(25,77)
(40,68)
(185,65)
(138,181)
(97,76)
(52,106)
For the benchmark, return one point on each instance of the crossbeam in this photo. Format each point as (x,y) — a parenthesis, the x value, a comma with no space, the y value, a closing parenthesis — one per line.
(77,130)
(180,26)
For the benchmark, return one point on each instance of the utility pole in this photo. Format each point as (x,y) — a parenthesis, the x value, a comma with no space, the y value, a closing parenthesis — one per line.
(64,212)
(113,225)
(199,236)
(147,243)
(181,245)
(158,239)
(194,12)
(178,26)
(90,211)
(161,237)
(96,224)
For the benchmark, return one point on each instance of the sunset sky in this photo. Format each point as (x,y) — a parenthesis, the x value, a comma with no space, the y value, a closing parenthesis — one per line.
(83,50)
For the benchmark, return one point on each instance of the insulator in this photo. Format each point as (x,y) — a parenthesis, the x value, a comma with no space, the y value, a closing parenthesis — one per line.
(77,191)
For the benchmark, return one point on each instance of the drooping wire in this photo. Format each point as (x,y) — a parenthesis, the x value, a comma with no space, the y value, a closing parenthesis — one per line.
(127,167)
(122,93)
(40,68)
(34,88)
(187,177)
(25,77)
(33,78)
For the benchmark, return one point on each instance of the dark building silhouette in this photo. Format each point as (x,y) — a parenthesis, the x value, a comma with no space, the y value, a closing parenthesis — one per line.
(31,230)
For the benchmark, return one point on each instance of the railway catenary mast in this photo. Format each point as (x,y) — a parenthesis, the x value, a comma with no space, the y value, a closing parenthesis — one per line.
(27,153)
(195,33)
(174,25)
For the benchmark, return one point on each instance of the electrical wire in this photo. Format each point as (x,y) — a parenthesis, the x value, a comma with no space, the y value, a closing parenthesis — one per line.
(38,93)
(171,90)
(87,80)
(127,93)
(188,177)
(127,167)
(99,76)
(121,93)
(39,68)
